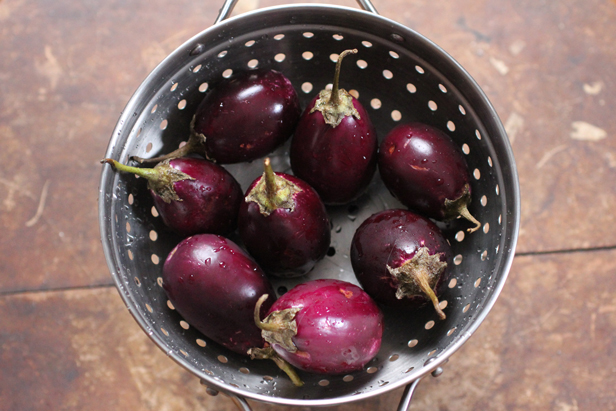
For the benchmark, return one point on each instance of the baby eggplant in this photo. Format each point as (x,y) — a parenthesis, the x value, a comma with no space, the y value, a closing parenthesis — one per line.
(243,118)
(401,259)
(424,169)
(283,224)
(191,195)
(323,326)
(214,285)
(334,148)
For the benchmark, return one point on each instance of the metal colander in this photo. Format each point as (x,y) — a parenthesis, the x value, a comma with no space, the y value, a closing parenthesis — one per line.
(399,76)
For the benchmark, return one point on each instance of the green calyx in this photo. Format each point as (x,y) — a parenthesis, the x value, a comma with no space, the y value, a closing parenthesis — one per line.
(287,328)
(459,208)
(419,276)
(160,179)
(279,327)
(272,191)
(337,103)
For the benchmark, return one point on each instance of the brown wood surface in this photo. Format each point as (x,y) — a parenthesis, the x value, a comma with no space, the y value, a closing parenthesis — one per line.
(67,69)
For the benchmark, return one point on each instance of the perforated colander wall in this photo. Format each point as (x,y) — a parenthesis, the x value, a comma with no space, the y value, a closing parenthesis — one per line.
(398,76)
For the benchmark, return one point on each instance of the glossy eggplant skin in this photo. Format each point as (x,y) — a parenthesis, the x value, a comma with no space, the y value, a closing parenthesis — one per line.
(391,238)
(287,242)
(339,327)
(338,162)
(209,203)
(422,167)
(247,116)
(214,285)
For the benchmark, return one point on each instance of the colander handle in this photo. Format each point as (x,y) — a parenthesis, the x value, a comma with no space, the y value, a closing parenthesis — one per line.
(407,395)
(240,403)
(405,401)
(229,5)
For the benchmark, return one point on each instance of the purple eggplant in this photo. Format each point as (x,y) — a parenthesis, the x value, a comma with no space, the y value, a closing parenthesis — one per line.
(191,195)
(334,148)
(323,326)
(424,169)
(283,224)
(214,285)
(401,259)
(243,118)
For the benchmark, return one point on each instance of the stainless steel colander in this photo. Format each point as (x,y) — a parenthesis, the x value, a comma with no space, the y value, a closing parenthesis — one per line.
(399,76)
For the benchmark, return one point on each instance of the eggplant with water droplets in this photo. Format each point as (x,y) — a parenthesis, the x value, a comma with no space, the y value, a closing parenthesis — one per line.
(424,169)
(242,118)
(215,285)
(334,148)
(191,195)
(283,224)
(324,326)
(401,259)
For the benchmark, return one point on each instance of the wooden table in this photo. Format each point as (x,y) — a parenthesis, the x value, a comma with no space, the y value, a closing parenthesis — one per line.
(68,68)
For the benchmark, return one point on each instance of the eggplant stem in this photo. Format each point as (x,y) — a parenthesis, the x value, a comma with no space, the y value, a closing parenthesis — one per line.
(148,173)
(288,369)
(194,144)
(262,325)
(188,148)
(268,353)
(333,99)
(270,183)
(467,214)
(422,281)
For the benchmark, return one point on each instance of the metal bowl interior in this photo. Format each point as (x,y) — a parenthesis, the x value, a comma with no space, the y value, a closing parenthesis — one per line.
(399,76)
